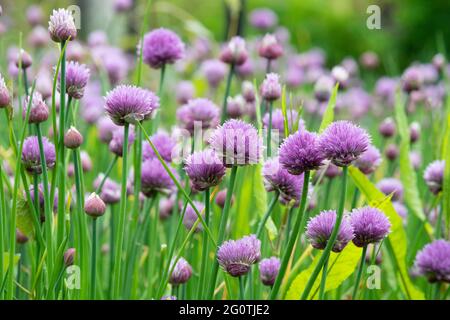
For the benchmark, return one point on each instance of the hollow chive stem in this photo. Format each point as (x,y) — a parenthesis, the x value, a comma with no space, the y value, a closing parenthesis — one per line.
(93,257)
(222,228)
(332,239)
(204,248)
(227,93)
(292,237)
(241,288)
(269,131)
(122,214)
(267,214)
(323,281)
(360,271)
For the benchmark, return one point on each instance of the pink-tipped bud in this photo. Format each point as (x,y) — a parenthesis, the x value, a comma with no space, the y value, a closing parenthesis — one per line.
(234,52)
(20,237)
(391,152)
(23,60)
(73,138)
(94,206)
(414,132)
(270,48)
(62,26)
(387,127)
(221,197)
(5,98)
(69,257)
(38,109)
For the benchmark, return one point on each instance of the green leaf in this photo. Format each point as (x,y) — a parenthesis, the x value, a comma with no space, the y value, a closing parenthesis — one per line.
(397,236)
(6,261)
(407,172)
(340,267)
(328,115)
(284,111)
(24,218)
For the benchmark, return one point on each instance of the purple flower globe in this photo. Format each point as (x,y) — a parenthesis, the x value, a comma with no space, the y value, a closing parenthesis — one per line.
(269,48)
(387,127)
(214,71)
(263,19)
(205,169)
(278,120)
(4,94)
(434,176)
(323,88)
(62,26)
(236,107)
(161,47)
(34,15)
(433,261)
(221,197)
(94,206)
(414,132)
(38,109)
(199,112)
(164,143)
(123,5)
(391,152)
(130,104)
(343,142)
(370,225)
(77,76)
(106,128)
(412,79)
(237,256)
(116,143)
(369,160)
(391,186)
(234,52)
(271,88)
(190,217)
(301,152)
(110,192)
(41,199)
(154,178)
(237,143)
(248,91)
(268,270)
(69,257)
(38,37)
(185,91)
(31,155)
(181,273)
(320,227)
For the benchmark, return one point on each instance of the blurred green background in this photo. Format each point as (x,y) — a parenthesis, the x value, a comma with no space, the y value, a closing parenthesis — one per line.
(410,29)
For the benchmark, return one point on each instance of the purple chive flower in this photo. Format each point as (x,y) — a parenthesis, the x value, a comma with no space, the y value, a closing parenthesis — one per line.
(323,88)
(214,72)
(113,60)
(4,94)
(162,46)
(236,106)
(414,131)
(94,206)
(248,91)
(369,160)
(97,38)
(31,155)
(271,88)
(401,210)
(38,37)
(412,79)
(269,47)
(190,217)
(23,59)
(433,261)
(237,143)
(369,60)
(340,75)
(387,127)
(163,143)
(41,199)
(246,69)
(123,5)
(154,178)
(320,227)
(343,142)
(385,90)
(184,92)
(268,270)
(331,171)
(129,104)
(221,197)
(20,237)
(106,128)
(234,52)
(391,152)
(237,256)
(278,120)
(301,152)
(199,112)
(110,192)
(416,159)
(62,26)
(34,15)
(116,143)
(69,257)
(181,273)
(263,19)
(438,61)
(391,186)
(77,76)
(370,225)
(73,138)
(205,169)
(38,109)
(434,176)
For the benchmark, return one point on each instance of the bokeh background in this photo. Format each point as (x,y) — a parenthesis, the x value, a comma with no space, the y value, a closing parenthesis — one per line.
(410,30)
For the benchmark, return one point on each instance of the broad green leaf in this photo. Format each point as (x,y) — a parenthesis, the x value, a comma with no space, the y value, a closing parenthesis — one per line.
(397,236)
(6,261)
(407,172)
(340,267)
(328,115)
(23,215)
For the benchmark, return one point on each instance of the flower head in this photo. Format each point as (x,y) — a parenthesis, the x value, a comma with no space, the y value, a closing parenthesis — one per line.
(94,206)
(412,79)
(38,109)
(268,270)
(129,104)
(69,257)
(370,225)
(263,18)
(164,143)
(154,178)
(116,143)
(234,52)
(434,176)
(198,112)
(73,138)
(237,143)
(278,120)
(205,169)
(391,186)
(320,227)
(300,152)
(271,88)
(369,160)
(106,128)
(162,46)
(343,142)
(4,94)
(236,106)
(185,91)
(181,273)
(221,197)
(387,127)
(214,72)
(433,261)
(237,256)
(269,47)
(62,26)
(190,216)
(31,155)
(110,192)
(77,76)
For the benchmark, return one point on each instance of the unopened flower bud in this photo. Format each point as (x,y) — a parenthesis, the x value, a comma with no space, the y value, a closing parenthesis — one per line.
(73,138)
(94,206)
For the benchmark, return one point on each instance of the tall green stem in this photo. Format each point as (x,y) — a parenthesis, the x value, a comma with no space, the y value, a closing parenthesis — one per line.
(93,257)
(360,270)
(200,290)
(122,215)
(227,93)
(292,237)
(222,228)
(267,214)
(241,288)
(323,281)
(2,223)
(332,239)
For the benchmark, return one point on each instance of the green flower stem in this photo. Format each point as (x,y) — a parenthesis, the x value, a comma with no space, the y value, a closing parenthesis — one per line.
(111,248)
(332,239)
(25,82)
(269,131)
(267,214)
(241,288)
(295,234)
(93,257)
(227,93)
(323,281)
(106,175)
(205,251)
(268,66)
(222,229)
(122,215)
(360,271)
(438,228)
(355,198)
(2,223)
